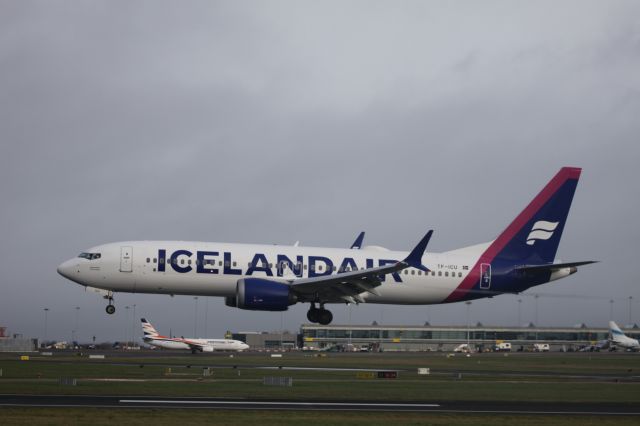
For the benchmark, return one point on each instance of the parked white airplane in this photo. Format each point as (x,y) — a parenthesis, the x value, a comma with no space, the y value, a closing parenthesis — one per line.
(271,277)
(618,338)
(152,337)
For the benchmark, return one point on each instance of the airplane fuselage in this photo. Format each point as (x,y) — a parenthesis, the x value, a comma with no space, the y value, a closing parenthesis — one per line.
(213,269)
(209,345)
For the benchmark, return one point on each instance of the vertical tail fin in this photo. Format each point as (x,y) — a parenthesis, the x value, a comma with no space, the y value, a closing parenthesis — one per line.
(615,330)
(148,329)
(533,237)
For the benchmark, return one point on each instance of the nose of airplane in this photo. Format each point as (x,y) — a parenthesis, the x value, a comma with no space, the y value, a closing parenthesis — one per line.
(67,269)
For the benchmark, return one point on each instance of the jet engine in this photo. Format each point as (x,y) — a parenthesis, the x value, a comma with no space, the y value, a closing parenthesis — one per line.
(258,294)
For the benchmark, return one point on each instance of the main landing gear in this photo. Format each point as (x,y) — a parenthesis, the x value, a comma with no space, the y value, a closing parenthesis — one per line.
(322,315)
(110,308)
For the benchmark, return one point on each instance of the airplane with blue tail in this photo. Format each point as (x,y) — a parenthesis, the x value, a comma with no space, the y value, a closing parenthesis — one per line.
(274,277)
(617,338)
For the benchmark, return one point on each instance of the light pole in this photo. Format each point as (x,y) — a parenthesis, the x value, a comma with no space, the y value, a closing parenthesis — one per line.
(468,303)
(519,313)
(536,297)
(126,333)
(133,322)
(350,328)
(195,319)
(611,310)
(46,312)
(630,300)
(77,317)
(281,328)
(206,312)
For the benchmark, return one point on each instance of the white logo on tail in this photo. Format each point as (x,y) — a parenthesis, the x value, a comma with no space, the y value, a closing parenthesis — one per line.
(542,230)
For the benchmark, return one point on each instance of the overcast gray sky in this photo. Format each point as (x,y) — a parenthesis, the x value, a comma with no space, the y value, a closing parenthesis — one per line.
(272,122)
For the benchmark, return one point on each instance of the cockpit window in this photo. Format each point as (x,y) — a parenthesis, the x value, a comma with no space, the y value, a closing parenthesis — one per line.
(89,256)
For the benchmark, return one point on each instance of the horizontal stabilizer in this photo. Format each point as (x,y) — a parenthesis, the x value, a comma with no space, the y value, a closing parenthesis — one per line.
(553,266)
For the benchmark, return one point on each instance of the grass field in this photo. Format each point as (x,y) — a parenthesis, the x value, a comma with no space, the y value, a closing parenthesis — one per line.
(483,377)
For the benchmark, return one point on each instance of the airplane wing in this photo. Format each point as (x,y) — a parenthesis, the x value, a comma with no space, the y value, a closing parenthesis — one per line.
(553,266)
(194,345)
(347,286)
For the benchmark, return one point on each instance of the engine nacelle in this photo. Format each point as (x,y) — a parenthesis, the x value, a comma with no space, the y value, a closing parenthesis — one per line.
(258,294)
(207,348)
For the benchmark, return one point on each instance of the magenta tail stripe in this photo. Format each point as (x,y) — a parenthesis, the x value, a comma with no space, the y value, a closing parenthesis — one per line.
(565,174)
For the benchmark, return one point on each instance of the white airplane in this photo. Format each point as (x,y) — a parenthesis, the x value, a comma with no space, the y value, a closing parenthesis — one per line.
(272,277)
(152,337)
(619,339)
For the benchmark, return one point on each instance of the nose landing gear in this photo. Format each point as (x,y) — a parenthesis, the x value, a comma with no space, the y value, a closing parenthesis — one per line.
(322,315)
(110,308)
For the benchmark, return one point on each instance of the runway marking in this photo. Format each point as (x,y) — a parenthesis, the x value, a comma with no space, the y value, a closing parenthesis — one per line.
(272,403)
(460,411)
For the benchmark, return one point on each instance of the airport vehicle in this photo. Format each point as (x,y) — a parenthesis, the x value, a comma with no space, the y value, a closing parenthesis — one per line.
(596,346)
(152,337)
(462,348)
(541,347)
(502,347)
(618,339)
(272,277)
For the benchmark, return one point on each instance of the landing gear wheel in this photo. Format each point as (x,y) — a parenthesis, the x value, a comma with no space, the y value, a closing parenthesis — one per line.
(313,314)
(325,317)
(110,308)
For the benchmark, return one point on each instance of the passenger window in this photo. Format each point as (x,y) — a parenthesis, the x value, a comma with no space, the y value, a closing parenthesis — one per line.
(162,261)
(460,274)
(439,273)
(189,261)
(226,263)
(234,263)
(155,260)
(148,260)
(220,263)
(413,272)
(319,267)
(446,274)
(182,261)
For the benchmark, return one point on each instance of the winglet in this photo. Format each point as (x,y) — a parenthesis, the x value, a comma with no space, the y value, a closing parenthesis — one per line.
(415,257)
(357,244)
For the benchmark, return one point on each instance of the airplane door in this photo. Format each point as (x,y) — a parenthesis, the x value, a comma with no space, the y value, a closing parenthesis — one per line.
(126,259)
(485,275)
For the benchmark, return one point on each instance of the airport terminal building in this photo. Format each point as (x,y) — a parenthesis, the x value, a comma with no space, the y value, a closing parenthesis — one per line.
(446,338)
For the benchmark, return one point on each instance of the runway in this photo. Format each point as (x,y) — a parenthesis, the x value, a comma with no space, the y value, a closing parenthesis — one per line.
(477,407)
